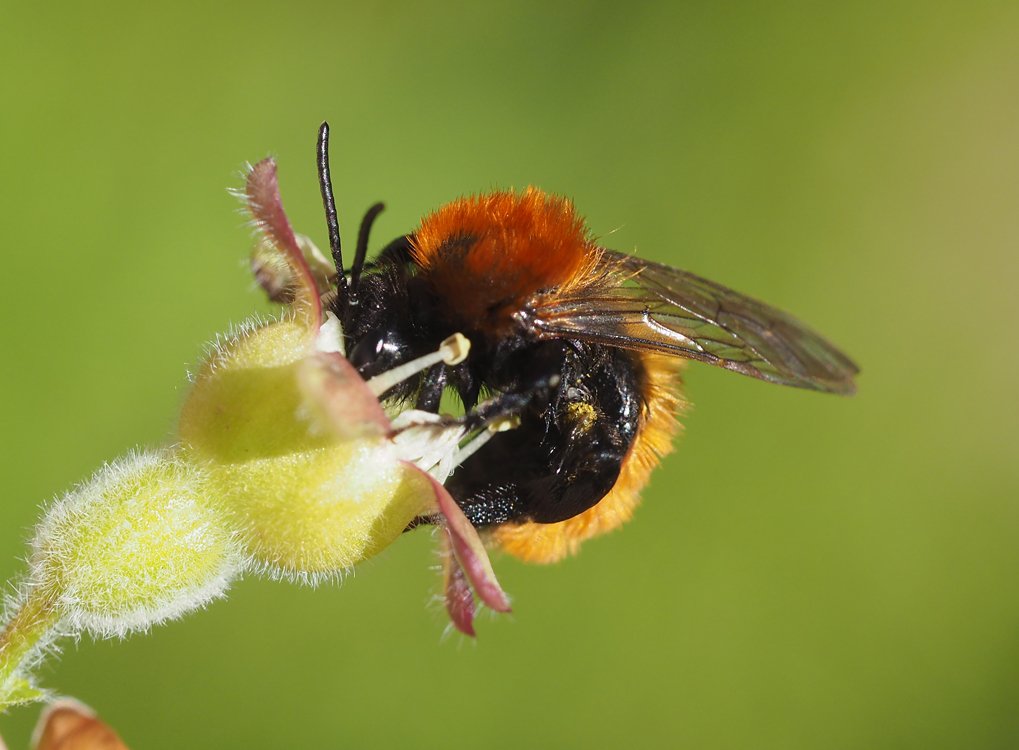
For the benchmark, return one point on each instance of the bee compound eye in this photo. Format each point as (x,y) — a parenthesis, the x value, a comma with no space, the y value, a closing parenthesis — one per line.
(376,352)
(366,351)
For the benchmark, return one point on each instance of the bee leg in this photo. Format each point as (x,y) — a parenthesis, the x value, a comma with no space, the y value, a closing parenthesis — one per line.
(505,404)
(503,503)
(432,385)
(566,454)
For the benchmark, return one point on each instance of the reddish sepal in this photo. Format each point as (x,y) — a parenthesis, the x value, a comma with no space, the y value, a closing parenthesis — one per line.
(458,595)
(266,206)
(339,395)
(470,551)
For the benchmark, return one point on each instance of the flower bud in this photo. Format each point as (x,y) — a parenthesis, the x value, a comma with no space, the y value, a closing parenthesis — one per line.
(67,724)
(137,544)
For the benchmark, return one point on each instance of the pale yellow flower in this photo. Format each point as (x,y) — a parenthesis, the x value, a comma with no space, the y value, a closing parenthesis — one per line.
(285,463)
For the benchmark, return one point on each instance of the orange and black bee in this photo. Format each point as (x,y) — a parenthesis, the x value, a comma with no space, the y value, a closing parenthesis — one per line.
(581,344)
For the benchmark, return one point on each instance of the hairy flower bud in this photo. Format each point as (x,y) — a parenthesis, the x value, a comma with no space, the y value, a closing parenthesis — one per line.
(139,543)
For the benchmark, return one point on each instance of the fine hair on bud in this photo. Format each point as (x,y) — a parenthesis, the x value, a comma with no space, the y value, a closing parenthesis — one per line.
(138,543)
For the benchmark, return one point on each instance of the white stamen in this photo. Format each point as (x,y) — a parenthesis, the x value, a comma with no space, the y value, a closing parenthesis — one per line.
(472,446)
(456,349)
(422,437)
(452,351)
(477,442)
(502,424)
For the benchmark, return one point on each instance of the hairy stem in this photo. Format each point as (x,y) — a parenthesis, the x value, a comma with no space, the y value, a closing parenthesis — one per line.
(23,635)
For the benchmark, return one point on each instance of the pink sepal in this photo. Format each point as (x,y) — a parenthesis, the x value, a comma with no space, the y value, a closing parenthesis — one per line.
(266,207)
(335,390)
(458,595)
(469,550)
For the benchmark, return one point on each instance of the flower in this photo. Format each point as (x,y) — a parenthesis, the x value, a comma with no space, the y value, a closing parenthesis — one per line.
(315,494)
(285,463)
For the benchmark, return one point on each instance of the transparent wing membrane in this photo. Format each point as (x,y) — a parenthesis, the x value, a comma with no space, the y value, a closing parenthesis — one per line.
(663,309)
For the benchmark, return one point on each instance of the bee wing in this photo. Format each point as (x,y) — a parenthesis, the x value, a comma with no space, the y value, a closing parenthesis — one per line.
(658,308)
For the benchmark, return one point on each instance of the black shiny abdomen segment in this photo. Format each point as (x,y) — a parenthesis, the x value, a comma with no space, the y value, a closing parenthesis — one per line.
(568,450)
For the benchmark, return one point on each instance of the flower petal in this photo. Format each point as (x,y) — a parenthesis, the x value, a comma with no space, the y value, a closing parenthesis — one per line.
(263,196)
(469,550)
(338,396)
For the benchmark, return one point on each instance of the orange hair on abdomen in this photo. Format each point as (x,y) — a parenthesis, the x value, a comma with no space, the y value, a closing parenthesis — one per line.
(488,256)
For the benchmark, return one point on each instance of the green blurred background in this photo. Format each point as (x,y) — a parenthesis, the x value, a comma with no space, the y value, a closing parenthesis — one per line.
(806,571)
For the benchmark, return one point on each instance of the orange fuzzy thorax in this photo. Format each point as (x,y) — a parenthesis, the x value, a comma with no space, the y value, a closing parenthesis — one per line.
(489,256)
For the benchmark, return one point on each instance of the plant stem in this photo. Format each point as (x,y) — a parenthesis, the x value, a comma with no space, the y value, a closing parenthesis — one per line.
(20,639)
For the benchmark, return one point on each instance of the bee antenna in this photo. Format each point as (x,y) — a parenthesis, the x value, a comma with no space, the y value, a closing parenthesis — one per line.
(325,184)
(362,244)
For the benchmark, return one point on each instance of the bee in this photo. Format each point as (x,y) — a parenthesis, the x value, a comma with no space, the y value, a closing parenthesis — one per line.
(580,345)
